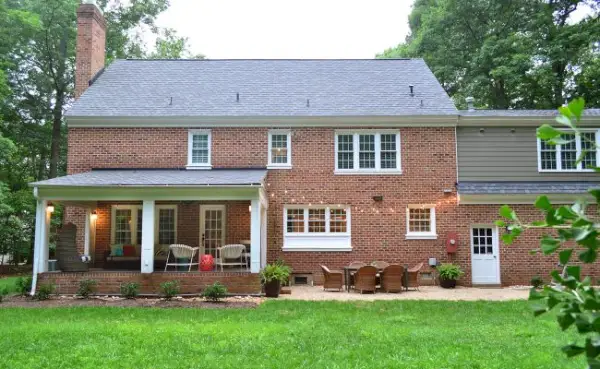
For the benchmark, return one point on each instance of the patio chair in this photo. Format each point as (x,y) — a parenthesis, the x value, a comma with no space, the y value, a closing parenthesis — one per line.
(380,264)
(334,279)
(68,259)
(391,278)
(364,279)
(181,252)
(231,255)
(414,276)
(354,265)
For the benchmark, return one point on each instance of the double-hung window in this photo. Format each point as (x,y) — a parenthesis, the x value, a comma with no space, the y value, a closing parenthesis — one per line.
(369,152)
(564,157)
(199,149)
(420,222)
(317,228)
(166,224)
(280,149)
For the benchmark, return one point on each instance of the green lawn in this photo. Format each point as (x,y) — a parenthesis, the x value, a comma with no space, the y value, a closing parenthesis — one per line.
(286,334)
(9,283)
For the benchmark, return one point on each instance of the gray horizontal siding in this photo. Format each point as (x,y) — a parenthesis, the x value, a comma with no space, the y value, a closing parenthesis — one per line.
(497,154)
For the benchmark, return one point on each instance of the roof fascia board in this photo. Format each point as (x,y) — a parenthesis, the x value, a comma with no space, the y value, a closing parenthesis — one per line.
(529,199)
(338,121)
(472,121)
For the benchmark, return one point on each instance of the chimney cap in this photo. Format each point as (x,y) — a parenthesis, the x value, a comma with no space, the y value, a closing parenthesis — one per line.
(92,2)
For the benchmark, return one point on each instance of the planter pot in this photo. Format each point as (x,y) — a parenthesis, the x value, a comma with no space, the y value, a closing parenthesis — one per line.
(447,283)
(272,289)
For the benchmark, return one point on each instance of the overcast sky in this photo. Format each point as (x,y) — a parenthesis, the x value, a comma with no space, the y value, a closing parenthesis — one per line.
(233,29)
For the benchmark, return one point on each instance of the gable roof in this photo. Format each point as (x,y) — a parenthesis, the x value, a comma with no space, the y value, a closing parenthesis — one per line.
(266,88)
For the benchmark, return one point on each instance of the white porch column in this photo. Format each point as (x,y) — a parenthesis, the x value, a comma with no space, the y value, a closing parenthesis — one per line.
(263,236)
(255,227)
(40,211)
(148,236)
(42,226)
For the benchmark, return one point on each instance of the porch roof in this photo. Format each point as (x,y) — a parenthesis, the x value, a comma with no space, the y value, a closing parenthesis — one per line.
(158,178)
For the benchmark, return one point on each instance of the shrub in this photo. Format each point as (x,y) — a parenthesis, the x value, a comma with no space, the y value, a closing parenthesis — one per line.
(3,293)
(450,271)
(214,292)
(130,290)
(23,285)
(169,289)
(44,291)
(275,272)
(537,282)
(86,288)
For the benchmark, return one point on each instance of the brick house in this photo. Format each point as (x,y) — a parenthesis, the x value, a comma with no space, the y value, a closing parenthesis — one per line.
(310,161)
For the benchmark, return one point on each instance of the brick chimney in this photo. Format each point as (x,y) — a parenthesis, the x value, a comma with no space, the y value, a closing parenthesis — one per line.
(91,42)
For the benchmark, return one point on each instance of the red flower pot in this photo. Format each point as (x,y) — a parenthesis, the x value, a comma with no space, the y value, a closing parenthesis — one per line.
(207,263)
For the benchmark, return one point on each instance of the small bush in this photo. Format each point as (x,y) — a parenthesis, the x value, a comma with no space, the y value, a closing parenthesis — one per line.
(130,290)
(537,282)
(3,293)
(23,285)
(86,288)
(169,289)
(214,292)
(44,291)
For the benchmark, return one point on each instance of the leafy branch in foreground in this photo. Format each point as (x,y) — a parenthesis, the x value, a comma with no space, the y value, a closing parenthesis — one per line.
(572,231)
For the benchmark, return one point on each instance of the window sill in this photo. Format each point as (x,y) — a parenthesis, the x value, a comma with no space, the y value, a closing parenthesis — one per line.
(566,170)
(275,166)
(368,172)
(421,236)
(198,167)
(317,249)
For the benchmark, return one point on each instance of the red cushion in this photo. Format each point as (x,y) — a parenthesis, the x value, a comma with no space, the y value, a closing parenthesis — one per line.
(129,250)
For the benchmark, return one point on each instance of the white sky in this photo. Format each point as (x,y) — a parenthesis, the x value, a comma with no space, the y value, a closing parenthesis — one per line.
(317,29)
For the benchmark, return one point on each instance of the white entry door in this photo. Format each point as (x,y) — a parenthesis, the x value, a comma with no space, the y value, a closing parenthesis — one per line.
(485,259)
(212,228)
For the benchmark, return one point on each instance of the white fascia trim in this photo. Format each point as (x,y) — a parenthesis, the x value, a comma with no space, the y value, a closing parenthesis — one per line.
(522,121)
(528,199)
(266,121)
(316,249)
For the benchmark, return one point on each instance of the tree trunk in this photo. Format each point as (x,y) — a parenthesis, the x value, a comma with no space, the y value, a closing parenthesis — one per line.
(57,112)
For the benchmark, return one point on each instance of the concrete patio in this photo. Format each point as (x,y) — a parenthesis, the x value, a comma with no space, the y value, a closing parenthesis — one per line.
(316,293)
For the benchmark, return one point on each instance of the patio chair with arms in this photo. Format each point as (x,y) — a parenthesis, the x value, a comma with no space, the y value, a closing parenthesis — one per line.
(231,255)
(354,265)
(365,279)
(391,278)
(181,252)
(414,276)
(334,279)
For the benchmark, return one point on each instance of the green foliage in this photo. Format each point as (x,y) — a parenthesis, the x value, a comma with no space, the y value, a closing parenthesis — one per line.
(170,289)
(23,285)
(44,291)
(86,288)
(450,271)
(215,292)
(573,295)
(537,282)
(130,290)
(3,293)
(275,271)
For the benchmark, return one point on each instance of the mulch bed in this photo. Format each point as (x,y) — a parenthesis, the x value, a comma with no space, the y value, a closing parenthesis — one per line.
(238,302)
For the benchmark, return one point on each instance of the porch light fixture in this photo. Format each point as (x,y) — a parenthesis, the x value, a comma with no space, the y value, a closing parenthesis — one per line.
(94,216)
(50,208)
(250,208)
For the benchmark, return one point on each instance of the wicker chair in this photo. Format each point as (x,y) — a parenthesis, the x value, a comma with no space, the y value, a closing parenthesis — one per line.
(414,276)
(334,279)
(181,252)
(68,259)
(364,279)
(354,265)
(380,264)
(391,278)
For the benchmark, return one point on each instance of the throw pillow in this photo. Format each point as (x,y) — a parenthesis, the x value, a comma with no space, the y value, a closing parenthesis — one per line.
(129,250)
(116,250)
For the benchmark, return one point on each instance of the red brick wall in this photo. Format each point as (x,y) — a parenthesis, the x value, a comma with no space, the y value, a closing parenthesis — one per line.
(91,40)
(191,283)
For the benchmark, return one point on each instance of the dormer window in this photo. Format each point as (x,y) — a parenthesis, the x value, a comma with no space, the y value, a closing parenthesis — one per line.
(199,149)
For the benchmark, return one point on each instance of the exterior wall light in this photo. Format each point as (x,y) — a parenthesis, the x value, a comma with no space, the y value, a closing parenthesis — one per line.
(94,216)
(50,208)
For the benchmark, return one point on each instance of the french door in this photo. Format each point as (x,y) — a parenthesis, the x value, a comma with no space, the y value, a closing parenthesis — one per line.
(485,260)
(212,228)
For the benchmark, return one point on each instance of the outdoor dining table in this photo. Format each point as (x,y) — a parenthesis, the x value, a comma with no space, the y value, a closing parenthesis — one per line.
(349,269)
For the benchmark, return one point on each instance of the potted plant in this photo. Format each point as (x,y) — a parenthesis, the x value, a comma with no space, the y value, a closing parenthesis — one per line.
(272,276)
(449,273)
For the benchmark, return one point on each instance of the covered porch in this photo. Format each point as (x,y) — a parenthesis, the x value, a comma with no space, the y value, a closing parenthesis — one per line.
(127,220)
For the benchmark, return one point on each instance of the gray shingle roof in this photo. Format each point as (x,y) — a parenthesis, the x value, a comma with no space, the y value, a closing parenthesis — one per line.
(159,177)
(522,113)
(476,188)
(275,88)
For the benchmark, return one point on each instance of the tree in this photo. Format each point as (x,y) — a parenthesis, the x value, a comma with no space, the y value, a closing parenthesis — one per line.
(507,53)
(571,230)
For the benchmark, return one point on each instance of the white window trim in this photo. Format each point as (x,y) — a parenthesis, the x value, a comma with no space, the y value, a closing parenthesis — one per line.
(559,158)
(134,221)
(432,235)
(157,209)
(321,241)
(287,165)
(191,134)
(356,149)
